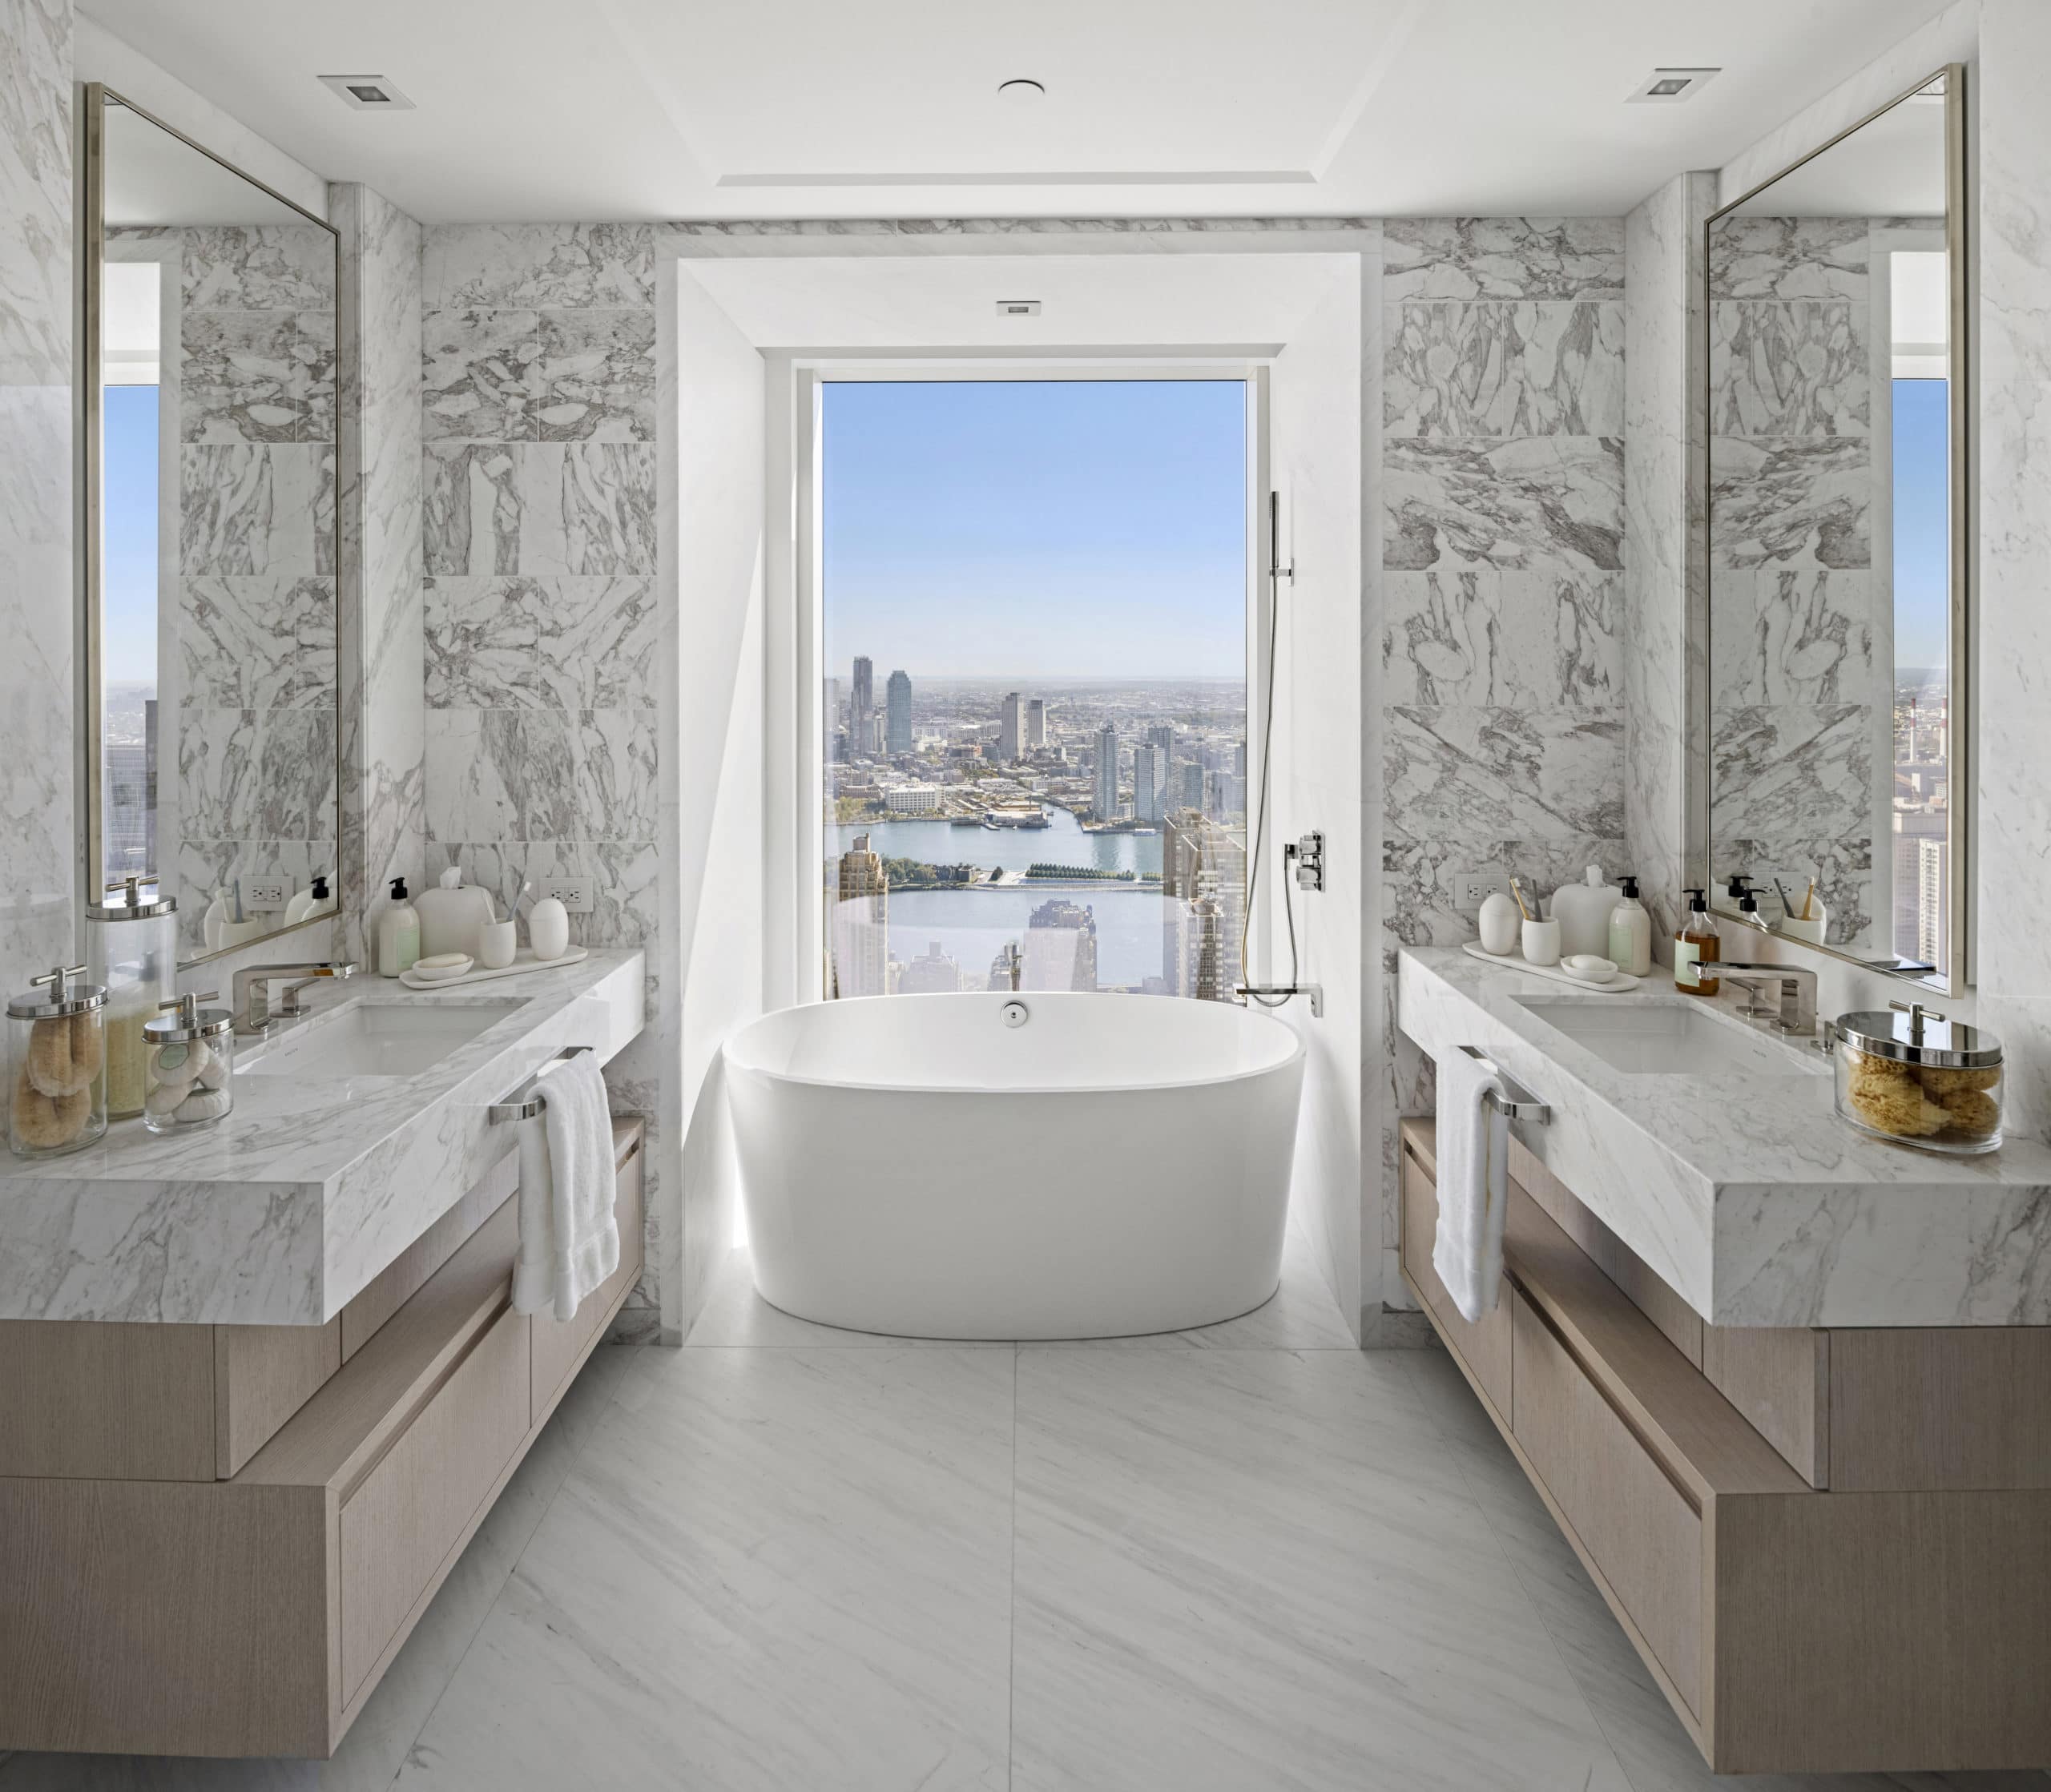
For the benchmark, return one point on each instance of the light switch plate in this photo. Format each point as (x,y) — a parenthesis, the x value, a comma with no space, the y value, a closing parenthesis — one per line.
(1472,888)
(266,895)
(573,893)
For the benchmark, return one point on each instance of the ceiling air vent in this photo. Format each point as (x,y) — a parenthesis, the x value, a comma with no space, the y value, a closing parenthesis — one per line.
(1669,86)
(367,93)
(1018,307)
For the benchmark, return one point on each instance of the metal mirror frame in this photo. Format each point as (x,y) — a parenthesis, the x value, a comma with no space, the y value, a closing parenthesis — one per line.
(1952,978)
(93,98)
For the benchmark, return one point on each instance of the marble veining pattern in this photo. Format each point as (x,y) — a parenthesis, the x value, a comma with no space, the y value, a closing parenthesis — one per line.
(478,375)
(1762,257)
(249,773)
(525,776)
(1790,502)
(1799,368)
(1843,869)
(622,875)
(1524,503)
(256,642)
(1521,368)
(1502,257)
(1794,635)
(1496,773)
(558,643)
(595,375)
(262,507)
(1478,638)
(257,268)
(1802,769)
(578,507)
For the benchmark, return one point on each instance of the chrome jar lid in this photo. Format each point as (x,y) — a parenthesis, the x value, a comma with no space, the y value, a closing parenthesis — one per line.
(126,902)
(187,1020)
(1910,1033)
(65,996)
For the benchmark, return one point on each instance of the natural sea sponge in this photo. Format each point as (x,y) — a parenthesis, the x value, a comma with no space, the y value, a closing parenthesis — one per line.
(1885,1094)
(1973,1111)
(62,1059)
(1942,1083)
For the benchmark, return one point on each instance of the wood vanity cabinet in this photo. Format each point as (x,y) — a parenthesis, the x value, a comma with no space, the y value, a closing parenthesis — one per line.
(1832,1549)
(193,1608)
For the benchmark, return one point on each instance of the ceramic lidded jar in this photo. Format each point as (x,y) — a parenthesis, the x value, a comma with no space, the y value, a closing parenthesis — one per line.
(191,1065)
(1907,1074)
(57,1065)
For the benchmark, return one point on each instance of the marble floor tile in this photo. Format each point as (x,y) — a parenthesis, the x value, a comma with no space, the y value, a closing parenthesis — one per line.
(1255,1569)
(772,1569)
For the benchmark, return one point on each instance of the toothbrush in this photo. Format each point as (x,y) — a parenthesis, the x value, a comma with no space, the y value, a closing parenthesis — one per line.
(1787,906)
(1808,896)
(1516,890)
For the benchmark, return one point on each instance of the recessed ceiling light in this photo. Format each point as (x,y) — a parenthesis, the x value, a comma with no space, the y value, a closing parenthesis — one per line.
(1668,87)
(367,93)
(1021,93)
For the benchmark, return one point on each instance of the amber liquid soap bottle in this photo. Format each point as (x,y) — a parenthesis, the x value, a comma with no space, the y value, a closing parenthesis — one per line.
(1697,947)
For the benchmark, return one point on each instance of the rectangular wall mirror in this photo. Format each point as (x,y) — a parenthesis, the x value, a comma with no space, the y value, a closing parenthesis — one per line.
(1838,601)
(209,576)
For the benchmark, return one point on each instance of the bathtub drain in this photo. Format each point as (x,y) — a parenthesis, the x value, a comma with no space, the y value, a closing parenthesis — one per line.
(1015,1014)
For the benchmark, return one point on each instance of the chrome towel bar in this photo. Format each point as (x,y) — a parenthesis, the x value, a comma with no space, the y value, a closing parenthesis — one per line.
(529,1099)
(1517,1102)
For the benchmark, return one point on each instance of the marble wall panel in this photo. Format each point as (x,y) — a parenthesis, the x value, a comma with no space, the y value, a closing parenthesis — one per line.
(1508,368)
(1797,368)
(256,641)
(1790,502)
(1530,502)
(555,643)
(622,875)
(1477,637)
(1502,257)
(1762,257)
(1802,769)
(478,375)
(36,842)
(1503,773)
(525,776)
(540,507)
(258,268)
(595,375)
(1794,635)
(248,774)
(203,866)
(257,507)
(561,266)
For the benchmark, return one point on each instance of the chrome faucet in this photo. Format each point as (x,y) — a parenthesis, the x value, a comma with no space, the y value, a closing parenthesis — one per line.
(252,992)
(1792,990)
(1014,963)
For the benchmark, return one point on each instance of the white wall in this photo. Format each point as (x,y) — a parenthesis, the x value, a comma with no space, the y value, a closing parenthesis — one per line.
(717,809)
(1315,460)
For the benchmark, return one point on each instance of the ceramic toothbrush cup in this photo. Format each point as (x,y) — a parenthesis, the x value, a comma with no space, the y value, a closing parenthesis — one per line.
(497,942)
(1541,942)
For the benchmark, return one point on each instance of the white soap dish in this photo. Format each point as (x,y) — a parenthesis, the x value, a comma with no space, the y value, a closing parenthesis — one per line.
(523,962)
(444,967)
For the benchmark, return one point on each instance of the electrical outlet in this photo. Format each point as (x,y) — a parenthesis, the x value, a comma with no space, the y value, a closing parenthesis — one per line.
(573,893)
(266,895)
(1472,888)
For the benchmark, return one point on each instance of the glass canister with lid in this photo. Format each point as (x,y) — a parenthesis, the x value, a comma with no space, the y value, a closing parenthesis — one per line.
(1906,1074)
(57,1060)
(132,951)
(191,1065)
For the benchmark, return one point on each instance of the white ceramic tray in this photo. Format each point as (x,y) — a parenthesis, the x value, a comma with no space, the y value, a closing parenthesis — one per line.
(523,961)
(1617,985)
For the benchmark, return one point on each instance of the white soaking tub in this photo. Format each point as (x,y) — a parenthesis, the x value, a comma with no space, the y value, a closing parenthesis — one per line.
(932,1167)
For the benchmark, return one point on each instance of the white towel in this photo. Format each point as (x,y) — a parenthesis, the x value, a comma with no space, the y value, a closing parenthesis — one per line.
(569,1238)
(1473,1191)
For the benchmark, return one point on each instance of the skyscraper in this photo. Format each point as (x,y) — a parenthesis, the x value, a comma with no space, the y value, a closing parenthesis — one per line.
(899,736)
(861,704)
(1036,724)
(1163,735)
(1060,947)
(1150,782)
(1011,727)
(861,921)
(1107,773)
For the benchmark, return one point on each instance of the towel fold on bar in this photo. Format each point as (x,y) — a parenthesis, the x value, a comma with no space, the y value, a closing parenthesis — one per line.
(1474,1190)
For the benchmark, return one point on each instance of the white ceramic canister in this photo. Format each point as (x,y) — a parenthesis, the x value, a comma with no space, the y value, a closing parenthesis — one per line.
(1499,925)
(1582,911)
(548,929)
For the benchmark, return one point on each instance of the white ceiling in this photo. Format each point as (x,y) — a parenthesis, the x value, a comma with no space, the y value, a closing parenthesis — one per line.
(587,110)
(154,177)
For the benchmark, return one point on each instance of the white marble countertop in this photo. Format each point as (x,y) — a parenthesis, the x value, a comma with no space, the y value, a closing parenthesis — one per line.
(1747,1193)
(284,1210)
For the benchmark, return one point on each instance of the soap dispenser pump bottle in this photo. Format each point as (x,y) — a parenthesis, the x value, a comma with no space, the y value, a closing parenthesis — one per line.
(1630,932)
(398,933)
(1696,947)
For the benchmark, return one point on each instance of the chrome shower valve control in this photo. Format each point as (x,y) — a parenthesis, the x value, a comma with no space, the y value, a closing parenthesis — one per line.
(1309,854)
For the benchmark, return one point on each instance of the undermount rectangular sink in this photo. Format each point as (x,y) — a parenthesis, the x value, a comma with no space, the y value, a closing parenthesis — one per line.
(1676,1037)
(378,1039)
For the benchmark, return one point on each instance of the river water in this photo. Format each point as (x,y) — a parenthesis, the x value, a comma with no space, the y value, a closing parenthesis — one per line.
(940,843)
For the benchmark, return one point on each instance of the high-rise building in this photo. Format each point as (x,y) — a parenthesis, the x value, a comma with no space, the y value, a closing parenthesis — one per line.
(1011,727)
(861,704)
(1060,947)
(1163,735)
(1203,892)
(1150,782)
(934,973)
(1933,923)
(898,735)
(1107,774)
(1186,786)
(861,922)
(1911,829)
(1036,725)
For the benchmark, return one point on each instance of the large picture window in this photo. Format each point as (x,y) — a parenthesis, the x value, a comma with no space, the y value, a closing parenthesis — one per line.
(1033,717)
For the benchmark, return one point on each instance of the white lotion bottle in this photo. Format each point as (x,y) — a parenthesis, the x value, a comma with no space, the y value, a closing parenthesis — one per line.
(398,933)
(1630,932)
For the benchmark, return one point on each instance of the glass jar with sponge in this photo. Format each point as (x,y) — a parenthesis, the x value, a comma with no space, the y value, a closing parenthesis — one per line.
(1907,1074)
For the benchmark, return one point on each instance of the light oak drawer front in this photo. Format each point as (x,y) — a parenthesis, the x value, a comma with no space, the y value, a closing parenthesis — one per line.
(1485,1345)
(398,1524)
(1641,1531)
(557,1344)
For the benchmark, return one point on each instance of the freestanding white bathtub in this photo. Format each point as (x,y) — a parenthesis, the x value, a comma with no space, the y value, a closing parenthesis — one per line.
(926,1166)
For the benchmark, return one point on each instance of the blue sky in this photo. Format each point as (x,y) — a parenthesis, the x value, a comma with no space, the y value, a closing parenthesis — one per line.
(128,632)
(1027,528)
(1922,494)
